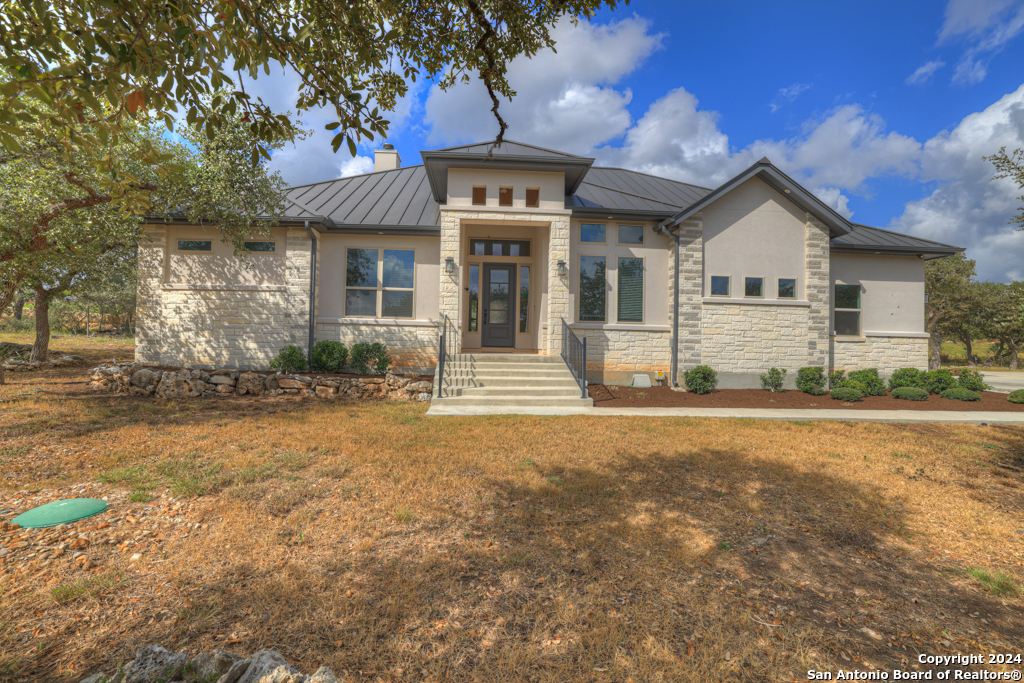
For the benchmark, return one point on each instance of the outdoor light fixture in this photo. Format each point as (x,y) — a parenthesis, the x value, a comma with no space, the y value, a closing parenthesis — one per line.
(449,265)
(563,270)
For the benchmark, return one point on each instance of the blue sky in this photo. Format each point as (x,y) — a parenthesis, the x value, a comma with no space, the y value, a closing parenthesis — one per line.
(884,109)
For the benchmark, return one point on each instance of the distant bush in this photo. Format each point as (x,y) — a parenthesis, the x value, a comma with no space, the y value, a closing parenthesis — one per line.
(701,379)
(847,394)
(906,377)
(811,380)
(973,380)
(328,356)
(910,393)
(369,359)
(14,325)
(289,359)
(937,381)
(869,379)
(961,394)
(772,380)
(1016,396)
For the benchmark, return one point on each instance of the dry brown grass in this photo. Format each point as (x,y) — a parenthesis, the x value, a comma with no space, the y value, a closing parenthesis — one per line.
(394,547)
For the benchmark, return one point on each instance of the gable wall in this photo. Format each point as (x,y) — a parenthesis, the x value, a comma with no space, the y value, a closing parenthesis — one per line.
(461,182)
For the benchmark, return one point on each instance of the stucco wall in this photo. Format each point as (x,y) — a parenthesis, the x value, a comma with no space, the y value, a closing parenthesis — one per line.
(892,290)
(461,182)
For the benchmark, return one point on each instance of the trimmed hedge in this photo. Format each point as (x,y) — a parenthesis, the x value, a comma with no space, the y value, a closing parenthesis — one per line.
(701,379)
(811,380)
(772,380)
(906,377)
(961,394)
(869,379)
(938,381)
(1016,396)
(364,358)
(847,394)
(289,359)
(910,393)
(328,356)
(972,379)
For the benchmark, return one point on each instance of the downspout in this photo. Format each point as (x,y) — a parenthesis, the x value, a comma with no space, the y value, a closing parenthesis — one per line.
(675,303)
(312,294)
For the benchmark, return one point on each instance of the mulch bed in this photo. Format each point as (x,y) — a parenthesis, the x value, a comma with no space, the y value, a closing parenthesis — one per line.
(664,397)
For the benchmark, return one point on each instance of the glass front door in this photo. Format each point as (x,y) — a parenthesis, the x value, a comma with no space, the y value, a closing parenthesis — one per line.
(498,305)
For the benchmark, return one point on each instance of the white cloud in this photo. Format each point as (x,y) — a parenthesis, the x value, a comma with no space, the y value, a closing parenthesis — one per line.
(925,72)
(788,95)
(357,166)
(986,26)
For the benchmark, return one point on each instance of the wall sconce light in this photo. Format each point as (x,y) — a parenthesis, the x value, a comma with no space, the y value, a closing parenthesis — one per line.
(449,265)
(563,269)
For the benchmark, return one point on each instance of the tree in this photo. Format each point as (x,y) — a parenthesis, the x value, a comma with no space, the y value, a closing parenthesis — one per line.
(1011,166)
(1004,316)
(947,286)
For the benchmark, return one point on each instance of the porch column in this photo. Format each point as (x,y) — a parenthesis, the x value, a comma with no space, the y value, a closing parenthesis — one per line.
(451,239)
(558,287)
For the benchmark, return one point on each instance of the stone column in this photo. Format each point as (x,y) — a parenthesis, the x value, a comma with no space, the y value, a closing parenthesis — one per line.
(558,287)
(149,308)
(818,283)
(691,291)
(298,259)
(450,298)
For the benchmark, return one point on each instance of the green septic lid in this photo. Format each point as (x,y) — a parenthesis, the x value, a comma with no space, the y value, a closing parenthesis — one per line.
(60,512)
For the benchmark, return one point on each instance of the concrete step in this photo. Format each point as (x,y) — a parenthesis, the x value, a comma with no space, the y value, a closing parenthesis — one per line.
(494,373)
(515,392)
(515,401)
(514,367)
(506,358)
(513,381)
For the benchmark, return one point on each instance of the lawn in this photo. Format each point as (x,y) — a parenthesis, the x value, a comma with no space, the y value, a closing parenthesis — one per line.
(395,547)
(955,354)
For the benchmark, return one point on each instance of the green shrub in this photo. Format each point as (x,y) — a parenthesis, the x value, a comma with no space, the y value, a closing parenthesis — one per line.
(328,356)
(910,393)
(811,380)
(772,380)
(289,359)
(836,378)
(12,324)
(1016,396)
(369,359)
(937,381)
(847,394)
(961,394)
(869,379)
(701,379)
(973,380)
(906,377)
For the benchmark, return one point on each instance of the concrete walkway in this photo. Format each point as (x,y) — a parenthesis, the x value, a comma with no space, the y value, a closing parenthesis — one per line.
(1003,381)
(792,415)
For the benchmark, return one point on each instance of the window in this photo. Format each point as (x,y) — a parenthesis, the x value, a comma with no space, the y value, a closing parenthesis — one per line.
(379,283)
(524,299)
(631,234)
(499,247)
(719,285)
(479,195)
(592,233)
(260,247)
(753,286)
(847,310)
(474,298)
(504,196)
(631,289)
(533,196)
(592,289)
(787,288)
(195,245)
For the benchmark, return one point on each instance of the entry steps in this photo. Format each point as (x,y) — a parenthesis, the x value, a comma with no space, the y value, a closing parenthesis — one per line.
(508,379)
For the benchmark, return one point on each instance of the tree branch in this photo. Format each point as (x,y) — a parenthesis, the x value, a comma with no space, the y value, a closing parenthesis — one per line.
(487,74)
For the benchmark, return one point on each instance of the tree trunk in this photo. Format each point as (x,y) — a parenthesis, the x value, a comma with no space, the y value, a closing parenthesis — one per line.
(934,351)
(1013,356)
(42,343)
(19,305)
(970,350)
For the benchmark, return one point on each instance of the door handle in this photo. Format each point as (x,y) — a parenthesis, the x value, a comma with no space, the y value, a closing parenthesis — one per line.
(486,321)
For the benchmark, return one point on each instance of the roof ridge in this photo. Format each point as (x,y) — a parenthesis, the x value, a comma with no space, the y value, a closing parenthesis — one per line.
(347,177)
(506,141)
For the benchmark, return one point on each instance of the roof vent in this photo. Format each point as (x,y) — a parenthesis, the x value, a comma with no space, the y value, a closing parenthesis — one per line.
(386,159)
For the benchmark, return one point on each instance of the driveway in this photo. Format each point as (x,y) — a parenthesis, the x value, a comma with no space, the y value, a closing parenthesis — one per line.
(1004,381)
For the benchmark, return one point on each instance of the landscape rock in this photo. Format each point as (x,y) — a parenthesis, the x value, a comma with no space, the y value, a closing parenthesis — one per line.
(249,383)
(146,379)
(174,385)
(222,379)
(153,663)
(216,663)
(323,675)
(418,387)
(326,392)
(291,383)
(266,663)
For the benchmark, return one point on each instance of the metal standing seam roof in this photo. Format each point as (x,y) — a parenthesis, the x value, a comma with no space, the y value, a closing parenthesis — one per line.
(506,148)
(867,238)
(619,189)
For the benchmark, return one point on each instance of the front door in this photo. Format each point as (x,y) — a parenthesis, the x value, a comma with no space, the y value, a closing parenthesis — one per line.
(498,304)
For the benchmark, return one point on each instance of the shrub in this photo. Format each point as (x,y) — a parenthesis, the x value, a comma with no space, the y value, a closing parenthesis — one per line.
(847,394)
(973,380)
(937,381)
(289,359)
(836,378)
(701,379)
(869,379)
(811,380)
(906,377)
(328,356)
(772,381)
(1016,396)
(910,393)
(368,359)
(961,394)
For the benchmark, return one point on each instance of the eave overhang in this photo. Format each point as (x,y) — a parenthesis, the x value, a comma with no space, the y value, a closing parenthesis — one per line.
(437,164)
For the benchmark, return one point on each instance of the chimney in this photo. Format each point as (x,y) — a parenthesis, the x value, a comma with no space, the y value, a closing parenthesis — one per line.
(386,159)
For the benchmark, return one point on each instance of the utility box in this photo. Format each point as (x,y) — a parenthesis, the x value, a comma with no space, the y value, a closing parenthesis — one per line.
(640,382)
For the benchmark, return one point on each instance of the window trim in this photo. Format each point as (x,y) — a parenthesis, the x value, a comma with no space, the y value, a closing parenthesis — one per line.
(796,288)
(728,279)
(380,289)
(579,286)
(179,240)
(618,238)
(643,291)
(860,307)
(753,277)
(528,204)
(470,254)
(472,195)
(511,195)
(580,234)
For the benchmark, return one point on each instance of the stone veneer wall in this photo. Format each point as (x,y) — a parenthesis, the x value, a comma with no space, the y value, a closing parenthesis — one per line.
(885,353)
(624,350)
(817,286)
(691,289)
(207,324)
(410,346)
(749,339)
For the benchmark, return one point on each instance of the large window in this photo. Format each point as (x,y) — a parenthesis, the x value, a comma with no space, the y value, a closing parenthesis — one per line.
(847,310)
(631,290)
(524,299)
(593,289)
(379,283)
(593,233)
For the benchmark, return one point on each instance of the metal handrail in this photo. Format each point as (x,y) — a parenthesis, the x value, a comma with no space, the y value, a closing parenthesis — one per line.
(446,353)
(574,353)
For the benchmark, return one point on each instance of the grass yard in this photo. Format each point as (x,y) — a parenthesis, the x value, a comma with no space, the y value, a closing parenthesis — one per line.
(392,547)
(955,353)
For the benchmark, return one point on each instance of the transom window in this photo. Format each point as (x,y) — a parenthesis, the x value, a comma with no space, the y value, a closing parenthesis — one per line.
(787,288)
(195,245)
(719,285)
(631,234)
(379,283)
(847,310)
(753,287)
(593,233)
(499,247)
(260,247)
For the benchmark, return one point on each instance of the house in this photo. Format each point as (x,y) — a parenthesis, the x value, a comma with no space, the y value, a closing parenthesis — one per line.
(507,241)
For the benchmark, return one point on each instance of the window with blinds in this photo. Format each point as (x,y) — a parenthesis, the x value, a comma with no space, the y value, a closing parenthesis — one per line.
(631,289)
